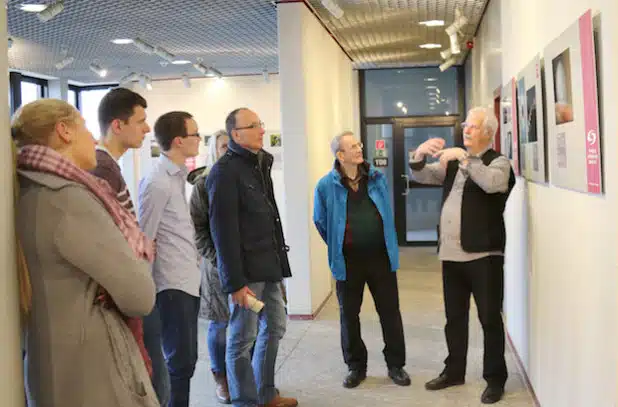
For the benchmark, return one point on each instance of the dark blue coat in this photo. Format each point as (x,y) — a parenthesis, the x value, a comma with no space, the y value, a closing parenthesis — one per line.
(244,220)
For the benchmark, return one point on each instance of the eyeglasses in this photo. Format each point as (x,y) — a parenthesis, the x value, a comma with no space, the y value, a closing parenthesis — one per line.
(198,135)
(471,126)
(259,125)
(355,147)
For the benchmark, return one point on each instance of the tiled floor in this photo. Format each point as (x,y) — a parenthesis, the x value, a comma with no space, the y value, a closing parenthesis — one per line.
(310,365)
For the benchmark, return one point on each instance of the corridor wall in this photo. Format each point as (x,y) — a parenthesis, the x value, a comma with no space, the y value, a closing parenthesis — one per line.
(561,261)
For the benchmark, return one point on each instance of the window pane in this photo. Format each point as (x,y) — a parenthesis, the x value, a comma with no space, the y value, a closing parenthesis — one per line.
(72,98)
(30,92)
(90,100)
(411,92)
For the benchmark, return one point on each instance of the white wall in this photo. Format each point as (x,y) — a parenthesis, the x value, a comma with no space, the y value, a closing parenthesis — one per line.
(11,387)
(318,100)
(563,266)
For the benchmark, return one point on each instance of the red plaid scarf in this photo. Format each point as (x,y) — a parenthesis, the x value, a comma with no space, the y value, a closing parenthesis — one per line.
(44,159)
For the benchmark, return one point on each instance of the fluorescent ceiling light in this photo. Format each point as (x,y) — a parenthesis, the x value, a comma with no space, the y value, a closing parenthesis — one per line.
(430,46)
(181,62)
(32,8)
(98,70)
(432,23)
(51,11)
(122,41)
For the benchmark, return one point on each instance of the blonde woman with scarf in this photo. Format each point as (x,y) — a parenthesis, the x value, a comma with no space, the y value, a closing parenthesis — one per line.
(87,266)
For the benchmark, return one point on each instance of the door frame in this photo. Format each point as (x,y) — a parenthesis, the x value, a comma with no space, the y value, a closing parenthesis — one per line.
(398,162)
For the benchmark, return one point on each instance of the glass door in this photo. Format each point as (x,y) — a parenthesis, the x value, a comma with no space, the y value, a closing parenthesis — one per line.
(416,206)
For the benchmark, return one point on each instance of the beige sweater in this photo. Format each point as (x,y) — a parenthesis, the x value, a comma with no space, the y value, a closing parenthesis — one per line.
(79,354)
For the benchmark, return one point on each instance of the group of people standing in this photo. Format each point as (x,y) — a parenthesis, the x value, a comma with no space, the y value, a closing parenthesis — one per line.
(112,290)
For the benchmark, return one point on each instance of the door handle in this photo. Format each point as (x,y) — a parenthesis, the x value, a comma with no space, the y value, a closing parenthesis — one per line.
(406,179)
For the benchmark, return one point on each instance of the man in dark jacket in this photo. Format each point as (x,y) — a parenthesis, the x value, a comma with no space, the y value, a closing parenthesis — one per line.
(477,182)
(252,260)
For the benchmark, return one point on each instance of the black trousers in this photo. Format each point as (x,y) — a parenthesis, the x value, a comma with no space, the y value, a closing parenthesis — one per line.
(375,272)
(179,312)
(484,279)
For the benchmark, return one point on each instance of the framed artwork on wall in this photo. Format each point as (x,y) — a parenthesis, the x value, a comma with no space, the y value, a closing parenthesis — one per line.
(532,128)
(574,140)
(508,124)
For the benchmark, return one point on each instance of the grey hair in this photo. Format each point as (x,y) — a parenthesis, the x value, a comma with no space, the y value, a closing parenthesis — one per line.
(335,144)
(490,122)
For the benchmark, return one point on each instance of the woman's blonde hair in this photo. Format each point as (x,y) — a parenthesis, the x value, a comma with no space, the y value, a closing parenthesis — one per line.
(34,123)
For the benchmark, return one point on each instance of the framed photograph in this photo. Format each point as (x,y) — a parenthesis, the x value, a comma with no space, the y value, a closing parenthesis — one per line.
(509,126)
(574,141)
(532,127)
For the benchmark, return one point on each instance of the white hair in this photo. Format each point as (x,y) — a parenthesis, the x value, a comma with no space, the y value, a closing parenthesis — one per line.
(490,122)
(211,157)
(335,144)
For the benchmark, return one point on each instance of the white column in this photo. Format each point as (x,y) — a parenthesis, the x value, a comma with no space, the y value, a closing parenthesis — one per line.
(11,387)
(317,102)
(58,89)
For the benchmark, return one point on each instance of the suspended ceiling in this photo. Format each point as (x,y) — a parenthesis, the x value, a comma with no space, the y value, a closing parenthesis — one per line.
(387,33)
(236,37)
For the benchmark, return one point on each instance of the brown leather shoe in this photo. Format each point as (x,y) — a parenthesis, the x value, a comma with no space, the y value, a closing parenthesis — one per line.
(223,393)
(279,401)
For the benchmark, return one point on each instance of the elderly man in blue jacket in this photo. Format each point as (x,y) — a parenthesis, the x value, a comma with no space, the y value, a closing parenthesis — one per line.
(353,215)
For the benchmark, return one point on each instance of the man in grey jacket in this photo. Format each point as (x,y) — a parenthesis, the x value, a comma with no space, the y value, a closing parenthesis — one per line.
(477,181)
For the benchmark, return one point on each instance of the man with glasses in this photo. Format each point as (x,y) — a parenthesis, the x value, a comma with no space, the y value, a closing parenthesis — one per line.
(476,182)
(252,260)
(363,252)
(164,216)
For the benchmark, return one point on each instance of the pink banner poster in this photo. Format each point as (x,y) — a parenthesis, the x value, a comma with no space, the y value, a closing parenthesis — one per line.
(591,117)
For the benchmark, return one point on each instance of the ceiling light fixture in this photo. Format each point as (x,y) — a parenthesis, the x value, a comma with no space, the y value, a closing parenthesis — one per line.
(145,81)
(122,41)
(447,64)
(430,46)
(446,54)
(32,8)
(98,70)
(432,23)
(186,81)
(181,62)
(213,72)
(333,8)
(132,77)
(51,11)
(201,68)
(143,46)
(163,53)
(65,62)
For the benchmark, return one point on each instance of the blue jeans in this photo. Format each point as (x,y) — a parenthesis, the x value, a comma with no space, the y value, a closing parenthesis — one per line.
(179,311)
(252,382)
(152,341)
(216,345)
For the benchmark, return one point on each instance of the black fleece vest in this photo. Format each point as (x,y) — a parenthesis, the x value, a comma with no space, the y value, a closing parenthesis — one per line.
(482,223)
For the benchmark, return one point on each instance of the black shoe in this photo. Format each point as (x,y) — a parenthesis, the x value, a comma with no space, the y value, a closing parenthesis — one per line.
(354,378)
(492,394)
(442,382)
(399,376)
